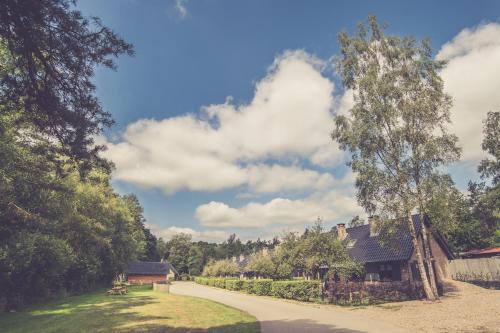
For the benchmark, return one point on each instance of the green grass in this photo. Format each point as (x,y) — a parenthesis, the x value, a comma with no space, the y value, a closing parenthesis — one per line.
(142,310)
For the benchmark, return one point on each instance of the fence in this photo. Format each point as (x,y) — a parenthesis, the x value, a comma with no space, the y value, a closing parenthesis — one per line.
(484,268)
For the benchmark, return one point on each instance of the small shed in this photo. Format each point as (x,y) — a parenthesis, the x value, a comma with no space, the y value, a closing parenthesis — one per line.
(147,272)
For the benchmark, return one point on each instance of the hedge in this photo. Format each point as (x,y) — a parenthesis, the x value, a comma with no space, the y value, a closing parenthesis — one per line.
(300,290)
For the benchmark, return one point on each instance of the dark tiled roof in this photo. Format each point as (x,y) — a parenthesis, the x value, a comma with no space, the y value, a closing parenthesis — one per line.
(369,249)
(150,268)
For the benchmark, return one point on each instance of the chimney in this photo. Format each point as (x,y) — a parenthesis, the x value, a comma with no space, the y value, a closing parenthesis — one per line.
(233,259)
(341,232)
(264,252)
(242,257)
(372,221)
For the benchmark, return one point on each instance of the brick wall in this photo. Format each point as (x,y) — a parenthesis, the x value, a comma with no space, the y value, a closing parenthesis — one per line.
(441,262)
(146,279)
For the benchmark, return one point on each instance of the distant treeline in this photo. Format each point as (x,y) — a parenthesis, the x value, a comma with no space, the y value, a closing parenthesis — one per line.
(190,257)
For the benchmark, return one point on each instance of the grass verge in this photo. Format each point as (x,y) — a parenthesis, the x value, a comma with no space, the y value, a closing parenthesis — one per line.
(142,310)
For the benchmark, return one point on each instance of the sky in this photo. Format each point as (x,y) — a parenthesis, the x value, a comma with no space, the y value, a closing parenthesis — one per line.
(223,116)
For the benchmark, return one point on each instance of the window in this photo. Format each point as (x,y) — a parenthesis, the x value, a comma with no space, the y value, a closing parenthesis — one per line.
(385,272)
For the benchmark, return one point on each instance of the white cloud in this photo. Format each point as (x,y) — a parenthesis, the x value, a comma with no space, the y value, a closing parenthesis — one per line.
(276,178)
(472,77)
(288,120)
(330,205)
(180,7)
(207,235)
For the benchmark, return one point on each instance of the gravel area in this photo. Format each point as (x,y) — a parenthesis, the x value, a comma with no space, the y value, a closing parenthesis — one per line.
(464,308)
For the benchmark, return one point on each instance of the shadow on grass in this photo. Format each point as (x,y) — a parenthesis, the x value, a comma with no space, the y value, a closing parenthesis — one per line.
(90,313)
(121,314)
(288,326)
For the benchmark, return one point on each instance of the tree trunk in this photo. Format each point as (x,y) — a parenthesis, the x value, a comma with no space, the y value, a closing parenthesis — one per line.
(428,257)
(429,294)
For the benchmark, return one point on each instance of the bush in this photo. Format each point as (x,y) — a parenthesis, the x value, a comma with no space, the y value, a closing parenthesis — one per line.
(262,287)
(248,286)
(201,280)
(184,277)
(236,285)
(300,290)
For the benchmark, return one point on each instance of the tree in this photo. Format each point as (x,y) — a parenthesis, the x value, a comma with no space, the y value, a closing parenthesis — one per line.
(490,168)
(261,266)
(396,131)
(222,268)
(233,246)
(53,51)
(321,249)
(178,248)
(195,260)
(356,221)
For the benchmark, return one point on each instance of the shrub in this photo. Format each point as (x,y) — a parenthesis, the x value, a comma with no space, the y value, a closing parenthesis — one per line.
(262,287)
(248,286)
(236,285)
(300,290)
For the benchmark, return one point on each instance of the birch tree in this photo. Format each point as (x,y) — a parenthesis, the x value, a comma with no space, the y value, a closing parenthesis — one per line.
(396,131)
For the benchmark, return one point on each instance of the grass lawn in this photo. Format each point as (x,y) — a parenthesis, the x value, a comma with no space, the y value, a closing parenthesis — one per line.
(142,310)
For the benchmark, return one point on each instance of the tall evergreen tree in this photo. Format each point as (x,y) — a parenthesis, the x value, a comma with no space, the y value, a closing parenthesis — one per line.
(53,52)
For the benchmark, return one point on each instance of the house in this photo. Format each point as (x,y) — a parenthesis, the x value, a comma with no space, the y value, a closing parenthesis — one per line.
(242,262)
(146,272)
(397,261)
(482,253)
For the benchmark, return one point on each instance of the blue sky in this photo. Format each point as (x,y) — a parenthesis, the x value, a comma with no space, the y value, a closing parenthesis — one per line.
(208,165)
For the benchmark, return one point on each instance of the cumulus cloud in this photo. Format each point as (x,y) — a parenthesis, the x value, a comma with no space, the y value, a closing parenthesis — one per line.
(228,145)
(331,205)
(472,77)
(276,178)
(207,235)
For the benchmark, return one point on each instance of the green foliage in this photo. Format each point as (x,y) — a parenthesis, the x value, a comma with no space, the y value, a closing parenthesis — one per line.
(490,167)
(396,131)
(261,266)
(300,290)
(262,287)
(177,249)
(87,232)
(356,221)
(234,284)
(195,260)
(349,270)
(51,52)
(221,268)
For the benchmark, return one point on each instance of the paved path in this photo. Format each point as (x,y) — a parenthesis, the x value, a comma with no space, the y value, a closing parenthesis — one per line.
(279,316)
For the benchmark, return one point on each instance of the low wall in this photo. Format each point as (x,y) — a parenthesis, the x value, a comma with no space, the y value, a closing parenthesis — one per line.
(478,269)
(161,287)
(146,279)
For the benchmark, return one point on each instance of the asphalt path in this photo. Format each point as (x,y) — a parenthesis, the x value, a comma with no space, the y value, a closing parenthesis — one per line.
(281,316)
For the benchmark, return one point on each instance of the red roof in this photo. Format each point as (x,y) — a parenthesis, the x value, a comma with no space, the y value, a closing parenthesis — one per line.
(491,250)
